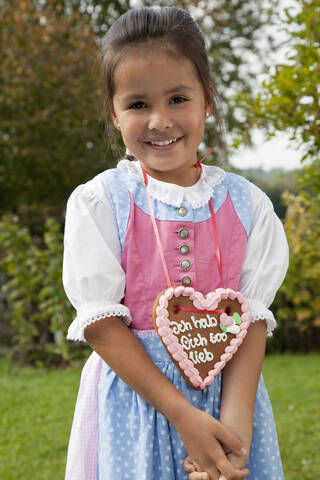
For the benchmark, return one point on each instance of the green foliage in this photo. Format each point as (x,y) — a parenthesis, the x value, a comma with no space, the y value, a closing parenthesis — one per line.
(289,101)
(289,97)
(50,132)
(273,183)
(36,304)
(298,302)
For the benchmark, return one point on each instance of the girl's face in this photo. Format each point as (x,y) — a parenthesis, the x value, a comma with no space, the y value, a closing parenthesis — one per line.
(160,109)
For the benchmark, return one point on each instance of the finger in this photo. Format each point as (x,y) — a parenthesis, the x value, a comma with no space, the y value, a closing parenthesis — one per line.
(222,477)
(188,465)
(230,441)
(198,476)
(213,473)
(227,470)
(236,461)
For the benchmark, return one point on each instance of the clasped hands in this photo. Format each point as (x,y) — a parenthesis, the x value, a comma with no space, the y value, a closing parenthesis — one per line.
(215,453)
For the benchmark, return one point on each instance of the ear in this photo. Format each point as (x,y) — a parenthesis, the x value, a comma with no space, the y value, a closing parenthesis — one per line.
(114,117)
(115,122)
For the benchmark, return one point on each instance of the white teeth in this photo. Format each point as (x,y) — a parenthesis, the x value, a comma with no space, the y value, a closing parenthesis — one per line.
(167,142)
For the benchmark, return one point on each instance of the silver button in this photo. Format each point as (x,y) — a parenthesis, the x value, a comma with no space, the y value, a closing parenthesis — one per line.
(183,233)
(184,249)
(185,265)
(186,281)
(182,211)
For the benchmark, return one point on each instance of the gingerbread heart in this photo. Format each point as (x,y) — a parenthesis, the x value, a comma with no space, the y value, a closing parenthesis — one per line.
(201,333)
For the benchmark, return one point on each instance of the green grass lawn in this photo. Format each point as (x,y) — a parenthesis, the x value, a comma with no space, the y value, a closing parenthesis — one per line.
(36,407)
(293,383)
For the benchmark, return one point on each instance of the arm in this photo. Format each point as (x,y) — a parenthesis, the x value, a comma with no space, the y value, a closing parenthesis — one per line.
(239,384)
(124,353)
(263,271)
(201,434)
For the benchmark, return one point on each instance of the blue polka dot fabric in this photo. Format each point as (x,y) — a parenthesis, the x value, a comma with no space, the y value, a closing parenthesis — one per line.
(120,198)
(238,188)
(137,442)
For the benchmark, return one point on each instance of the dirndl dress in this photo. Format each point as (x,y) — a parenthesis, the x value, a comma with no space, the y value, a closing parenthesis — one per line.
(115,432)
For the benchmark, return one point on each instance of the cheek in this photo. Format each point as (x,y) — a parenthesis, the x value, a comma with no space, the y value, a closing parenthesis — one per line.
(196,127)
(132,128)
(193,119)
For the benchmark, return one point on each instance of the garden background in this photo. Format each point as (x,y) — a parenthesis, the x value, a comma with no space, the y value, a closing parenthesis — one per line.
(52,138)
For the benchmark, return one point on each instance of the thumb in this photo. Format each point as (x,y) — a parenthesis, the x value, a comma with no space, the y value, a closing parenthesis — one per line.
(230,441)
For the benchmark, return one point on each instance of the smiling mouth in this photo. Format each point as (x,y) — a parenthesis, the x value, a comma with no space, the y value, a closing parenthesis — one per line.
(162,144)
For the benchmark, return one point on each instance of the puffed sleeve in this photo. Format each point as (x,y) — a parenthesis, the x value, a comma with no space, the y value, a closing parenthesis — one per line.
(93,278)
(266,260)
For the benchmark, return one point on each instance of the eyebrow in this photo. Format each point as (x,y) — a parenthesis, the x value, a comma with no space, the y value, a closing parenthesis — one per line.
(177,88)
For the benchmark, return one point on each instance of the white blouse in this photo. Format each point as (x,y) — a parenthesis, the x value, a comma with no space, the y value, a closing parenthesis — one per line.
(94,280)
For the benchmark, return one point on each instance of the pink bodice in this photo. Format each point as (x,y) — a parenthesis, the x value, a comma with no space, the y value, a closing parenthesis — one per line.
(142,264)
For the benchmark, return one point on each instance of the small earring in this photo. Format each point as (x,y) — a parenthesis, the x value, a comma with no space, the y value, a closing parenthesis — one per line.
(207,114)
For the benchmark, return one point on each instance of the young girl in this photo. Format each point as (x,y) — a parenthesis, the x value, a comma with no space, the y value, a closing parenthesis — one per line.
(136,417)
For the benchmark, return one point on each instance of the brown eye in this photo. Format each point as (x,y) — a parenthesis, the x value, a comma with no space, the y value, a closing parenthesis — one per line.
(137,105)
(178,99)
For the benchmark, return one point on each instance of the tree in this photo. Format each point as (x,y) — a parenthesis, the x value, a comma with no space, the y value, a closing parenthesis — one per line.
(289,101)
(289,98)
(50,138)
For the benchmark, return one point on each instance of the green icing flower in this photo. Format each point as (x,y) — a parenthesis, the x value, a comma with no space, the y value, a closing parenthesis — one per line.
(237,318)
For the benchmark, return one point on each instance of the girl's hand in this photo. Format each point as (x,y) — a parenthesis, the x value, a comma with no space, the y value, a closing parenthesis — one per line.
(205,440)
(236,461)
(195,471)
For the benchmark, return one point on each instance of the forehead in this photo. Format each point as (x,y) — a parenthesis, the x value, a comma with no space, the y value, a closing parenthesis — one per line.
(148,71)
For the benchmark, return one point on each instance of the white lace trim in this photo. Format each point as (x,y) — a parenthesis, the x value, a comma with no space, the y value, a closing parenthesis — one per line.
(197,195)
(84,318)
(259,311)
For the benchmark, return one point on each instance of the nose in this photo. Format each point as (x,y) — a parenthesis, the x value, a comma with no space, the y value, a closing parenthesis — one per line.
(160,119)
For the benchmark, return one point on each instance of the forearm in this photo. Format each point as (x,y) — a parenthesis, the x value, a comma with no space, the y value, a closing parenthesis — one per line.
(240,381)
(124,353)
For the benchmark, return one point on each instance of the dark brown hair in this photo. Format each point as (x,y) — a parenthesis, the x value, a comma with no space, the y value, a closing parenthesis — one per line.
(170,28)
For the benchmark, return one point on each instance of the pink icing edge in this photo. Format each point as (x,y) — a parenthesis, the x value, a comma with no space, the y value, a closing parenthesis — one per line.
(176,348)
(232,348)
